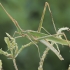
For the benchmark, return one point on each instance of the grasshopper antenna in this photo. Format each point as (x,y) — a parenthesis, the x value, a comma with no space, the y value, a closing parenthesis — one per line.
(13,20)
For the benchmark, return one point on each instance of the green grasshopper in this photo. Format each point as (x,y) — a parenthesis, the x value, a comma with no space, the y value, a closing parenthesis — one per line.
(35,36)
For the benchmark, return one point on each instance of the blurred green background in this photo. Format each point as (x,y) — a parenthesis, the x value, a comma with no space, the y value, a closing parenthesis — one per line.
(28,14)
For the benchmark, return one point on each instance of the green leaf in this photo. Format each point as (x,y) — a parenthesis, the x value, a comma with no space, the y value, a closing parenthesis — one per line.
(50,46)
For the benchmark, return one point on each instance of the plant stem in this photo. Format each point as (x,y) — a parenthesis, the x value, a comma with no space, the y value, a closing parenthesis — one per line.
(42,59)
(23,48)
(15,65)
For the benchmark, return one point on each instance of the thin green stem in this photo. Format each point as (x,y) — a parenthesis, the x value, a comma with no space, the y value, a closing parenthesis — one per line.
(15,65)
(23,48)
(42,59)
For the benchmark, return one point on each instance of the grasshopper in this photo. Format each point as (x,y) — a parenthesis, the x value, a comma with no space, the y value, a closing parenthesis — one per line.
(35,36)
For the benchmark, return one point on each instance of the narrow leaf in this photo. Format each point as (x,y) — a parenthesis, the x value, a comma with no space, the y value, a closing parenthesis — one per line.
(46,43)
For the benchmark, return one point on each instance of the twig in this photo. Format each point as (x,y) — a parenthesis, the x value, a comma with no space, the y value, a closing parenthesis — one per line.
(69,67)
(42,59)
(15,65)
